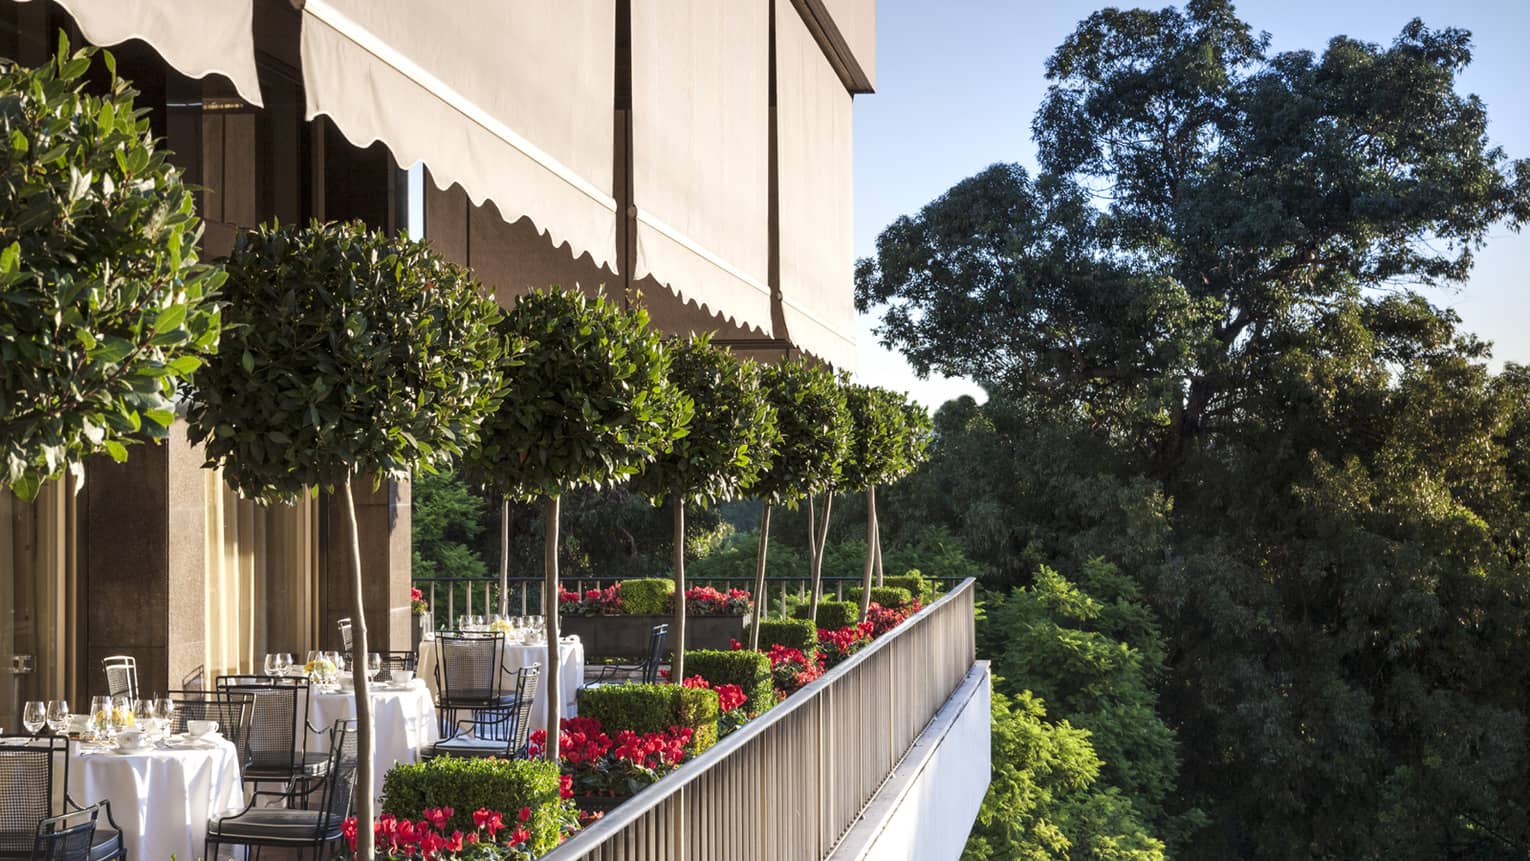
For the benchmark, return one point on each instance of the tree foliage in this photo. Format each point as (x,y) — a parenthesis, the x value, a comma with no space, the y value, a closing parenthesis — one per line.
(588,402)
(811,416)
(345,352)
(1209,362)
(878,438)
(732,432)
(104,307)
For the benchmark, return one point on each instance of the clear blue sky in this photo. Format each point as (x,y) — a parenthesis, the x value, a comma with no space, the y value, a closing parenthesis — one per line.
(959,80)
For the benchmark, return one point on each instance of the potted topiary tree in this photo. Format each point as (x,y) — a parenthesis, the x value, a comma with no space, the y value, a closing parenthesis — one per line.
(810,418)
(729,442)
(346,354)
(875,456)
(587,405)
(106,308)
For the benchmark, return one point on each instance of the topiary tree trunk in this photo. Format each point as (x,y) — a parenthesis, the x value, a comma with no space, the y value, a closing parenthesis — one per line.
(820,540)
(365,803)
(677,663)
(504,557)
(760,599)
(871,549)
(553,669)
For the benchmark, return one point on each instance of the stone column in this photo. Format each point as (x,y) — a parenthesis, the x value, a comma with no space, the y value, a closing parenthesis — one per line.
(383,525)
(143,564)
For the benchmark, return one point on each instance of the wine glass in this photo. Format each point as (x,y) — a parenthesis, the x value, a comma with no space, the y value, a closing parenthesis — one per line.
(374,665)
(143,716)
(164,714)
(284,660)
(34,715)
(273,664)
(313,655)
(100,720)
(121,714)
(58,715)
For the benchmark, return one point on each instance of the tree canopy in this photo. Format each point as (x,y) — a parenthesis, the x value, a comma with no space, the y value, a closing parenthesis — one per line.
(811,417)
(1211,360)
(104,307)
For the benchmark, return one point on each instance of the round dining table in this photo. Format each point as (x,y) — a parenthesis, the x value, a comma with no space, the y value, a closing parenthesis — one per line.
(403,719)
(162,796)
(517,655)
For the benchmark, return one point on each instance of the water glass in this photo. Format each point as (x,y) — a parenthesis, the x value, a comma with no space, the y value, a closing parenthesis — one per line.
(34,715)
(285,661)
(121,714)
(58,715)
(273,664)
(100,721)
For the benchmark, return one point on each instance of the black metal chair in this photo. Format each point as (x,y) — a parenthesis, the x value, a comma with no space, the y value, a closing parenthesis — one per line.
(66,837)
(469,678)
(121,676)
(398,661)
(647,671)
(232,710)
(34,772)
(513,745)
(318,829)
(278,733)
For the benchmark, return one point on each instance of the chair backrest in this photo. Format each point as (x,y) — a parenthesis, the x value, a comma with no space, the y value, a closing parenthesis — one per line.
(121,676)
(656,637)
(468,668)
(398,661)
(67,837)
(525,698)
(231,708)
(340,784)
(277,735)
(28,793)
(345,633)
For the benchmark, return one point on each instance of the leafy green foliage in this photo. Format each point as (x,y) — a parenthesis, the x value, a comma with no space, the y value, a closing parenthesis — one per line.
(345,352)
(653,708)
(446,520)
(647,596)
(1220,381)
(799,634)
(466,784)
(877,438)
(815,431)
(895,597)
(748,669)
(914,582)
(104,307)
(587,404)
(832,615)
(732,431)
(1043,801)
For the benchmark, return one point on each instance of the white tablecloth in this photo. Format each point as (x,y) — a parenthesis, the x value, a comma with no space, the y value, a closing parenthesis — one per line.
(404,724)
(161,798)
(570,677)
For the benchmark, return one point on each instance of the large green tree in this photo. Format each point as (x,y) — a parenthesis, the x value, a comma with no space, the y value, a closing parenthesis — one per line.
(104,307)
(729,442)
(347,355)
(1206,306)
(587,404)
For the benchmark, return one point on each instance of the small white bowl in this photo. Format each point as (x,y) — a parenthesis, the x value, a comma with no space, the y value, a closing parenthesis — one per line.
(201,728)
(401,677)
(130,740)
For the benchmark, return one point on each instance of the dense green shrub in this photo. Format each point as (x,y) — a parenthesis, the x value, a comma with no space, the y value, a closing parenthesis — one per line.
(914,582)
(794,633)
(466,784)
(647,596)
(895,597)
(832,615)
(749,670)
(653,708)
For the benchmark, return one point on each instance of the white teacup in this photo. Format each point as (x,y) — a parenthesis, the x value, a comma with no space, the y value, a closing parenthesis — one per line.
(131,739)
(201,728)
(401,677)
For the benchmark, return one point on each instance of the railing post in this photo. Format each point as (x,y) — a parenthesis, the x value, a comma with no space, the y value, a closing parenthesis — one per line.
(451,605)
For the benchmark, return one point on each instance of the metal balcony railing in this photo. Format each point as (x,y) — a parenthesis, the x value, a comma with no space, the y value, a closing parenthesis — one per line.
(789,784)
(452,596)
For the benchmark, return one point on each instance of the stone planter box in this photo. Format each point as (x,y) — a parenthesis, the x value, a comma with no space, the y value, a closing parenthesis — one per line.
(627,636)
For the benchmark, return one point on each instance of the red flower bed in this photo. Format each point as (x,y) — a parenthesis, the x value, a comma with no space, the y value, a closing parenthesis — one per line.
(706,601)
(835,646)
(596,763)
(730,704)
(426,839)
(594,602)
(791,669)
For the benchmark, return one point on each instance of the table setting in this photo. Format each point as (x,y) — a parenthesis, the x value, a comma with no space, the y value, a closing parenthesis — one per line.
(525,643)
(163,786)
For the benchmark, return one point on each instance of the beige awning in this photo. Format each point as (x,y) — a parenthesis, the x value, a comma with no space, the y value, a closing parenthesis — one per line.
(197,37)
(814,175)
(700,157)
(511,100)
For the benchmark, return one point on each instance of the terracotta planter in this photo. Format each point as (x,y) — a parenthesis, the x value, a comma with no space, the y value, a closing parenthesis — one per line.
(627,636)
